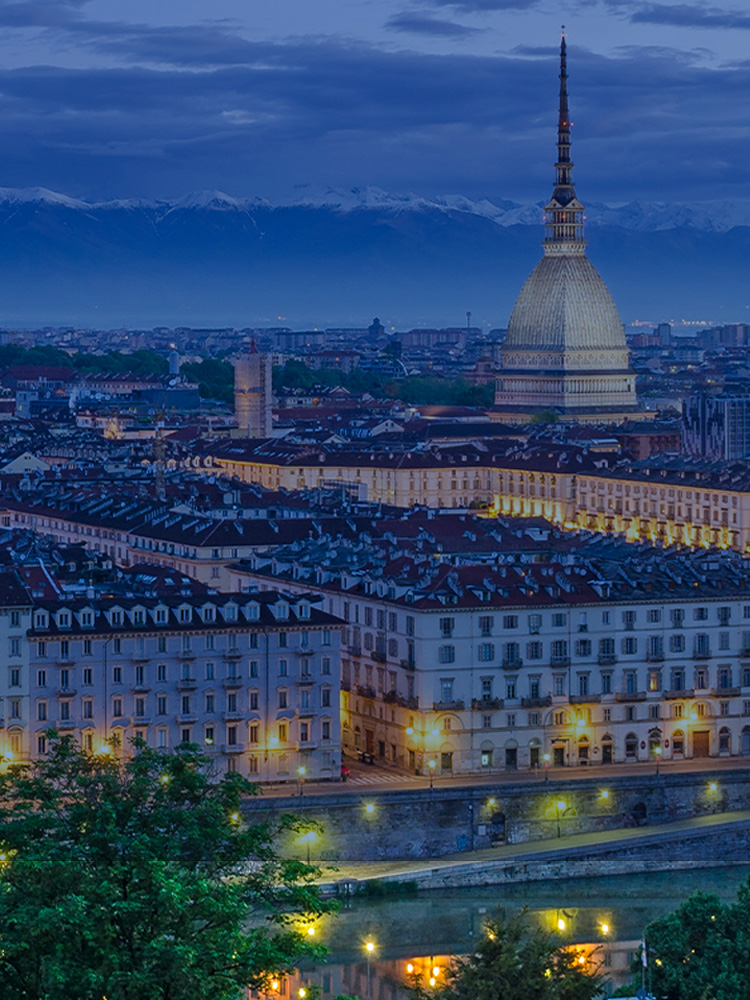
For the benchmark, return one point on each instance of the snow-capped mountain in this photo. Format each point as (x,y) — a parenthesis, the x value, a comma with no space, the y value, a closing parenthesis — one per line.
(329,256)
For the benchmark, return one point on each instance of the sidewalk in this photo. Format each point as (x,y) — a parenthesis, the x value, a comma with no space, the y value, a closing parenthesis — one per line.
(539,849)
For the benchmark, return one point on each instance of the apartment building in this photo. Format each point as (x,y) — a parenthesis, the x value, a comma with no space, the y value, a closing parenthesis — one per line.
(252,678)
(603,653)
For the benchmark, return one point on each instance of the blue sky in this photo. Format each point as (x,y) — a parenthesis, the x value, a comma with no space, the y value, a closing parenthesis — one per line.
(157,98)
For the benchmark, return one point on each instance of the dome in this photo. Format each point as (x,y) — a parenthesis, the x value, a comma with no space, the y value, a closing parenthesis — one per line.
(565,306)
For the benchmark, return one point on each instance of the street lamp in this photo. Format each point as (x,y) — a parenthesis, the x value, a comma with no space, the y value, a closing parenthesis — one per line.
(560,809)
(432,765)
(657,754)
(301,772)
(308,838)
(369,949)
(546,759)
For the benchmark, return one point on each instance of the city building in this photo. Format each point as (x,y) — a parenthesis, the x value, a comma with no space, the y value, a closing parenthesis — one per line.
(470,648)
(253,393)
(565,347)
(716,428)
(253,678)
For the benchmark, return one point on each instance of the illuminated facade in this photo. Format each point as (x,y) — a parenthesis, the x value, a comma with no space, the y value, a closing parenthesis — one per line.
(252,679)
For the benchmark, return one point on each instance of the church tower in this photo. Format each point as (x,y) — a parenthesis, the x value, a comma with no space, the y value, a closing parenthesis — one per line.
(565,347)
(252,393)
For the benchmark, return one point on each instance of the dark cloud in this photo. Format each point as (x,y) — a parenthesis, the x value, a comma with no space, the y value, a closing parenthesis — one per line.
(418,24)
(218,111)
(685,15)
(478,6)
(39,13)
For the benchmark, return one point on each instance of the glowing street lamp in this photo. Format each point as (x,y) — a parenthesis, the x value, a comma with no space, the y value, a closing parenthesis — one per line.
(657,754)
(369,949)
(561,807)
(301,772)
(432,765)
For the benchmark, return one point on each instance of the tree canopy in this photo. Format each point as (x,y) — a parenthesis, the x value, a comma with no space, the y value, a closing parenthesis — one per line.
(514,959)
(138,877)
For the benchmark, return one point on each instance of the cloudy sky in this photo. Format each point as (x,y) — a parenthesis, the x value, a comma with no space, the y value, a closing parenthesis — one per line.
(157,98)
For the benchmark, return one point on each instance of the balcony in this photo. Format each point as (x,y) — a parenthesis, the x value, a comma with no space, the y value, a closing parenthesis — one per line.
(512,662)
(701,654)
(233,748)
(365,691)
(235,716)
(607,659)
(539,702)
(232,682)
(559,661)
(141,688)
(65,724)
(655,657)
(727,692)
(140,658)
(233,653)
(65,692)
(447,706)
(408,664)
(630,696)
(354,650)
(65,661)
(480,704)
(585,699)
(187,654)
(378,656)
(187,684)
(675,693)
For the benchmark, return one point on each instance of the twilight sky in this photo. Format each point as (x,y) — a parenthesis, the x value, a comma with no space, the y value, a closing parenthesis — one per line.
(157,98)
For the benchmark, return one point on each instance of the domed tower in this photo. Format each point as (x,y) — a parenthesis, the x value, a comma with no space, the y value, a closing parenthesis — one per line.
(565,347)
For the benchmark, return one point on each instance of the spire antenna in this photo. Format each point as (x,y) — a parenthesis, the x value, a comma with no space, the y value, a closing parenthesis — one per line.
(564,212)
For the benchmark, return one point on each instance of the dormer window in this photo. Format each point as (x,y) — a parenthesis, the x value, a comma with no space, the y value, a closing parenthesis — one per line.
(209,613)
(281,610)
(138,616)
(87,618)
(63,619)
(115,617)
(41,619)
(252,612)
(230,612)
(303,610)
(161,616)
(186,614)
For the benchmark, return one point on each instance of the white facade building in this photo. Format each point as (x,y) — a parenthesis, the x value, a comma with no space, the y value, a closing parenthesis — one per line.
(253,679)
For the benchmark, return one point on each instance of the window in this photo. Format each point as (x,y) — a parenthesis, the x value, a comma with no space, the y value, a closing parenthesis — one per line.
(510,720)
(677,643)
(607,715)
(606,617)
(231,702)
(485,625)
(325,698)
(325,730)
(583,647)
(510,621)
(64,711)
(325,665)
(409,624)
(161,739)
(535,624)
(653,712)
(139,675)
(700,614)
(723,641)
(630,645)
(607,649)
(304,732)
(628,619)
(253,701)
(558,685)
(88,709)
(446,628)
(559,619)
(724,614)
(231,736)
(283,731)
(253,734)
(15,677)
(701,645)
(282,699)
(510,690)
(487,651)
(161,704)
(41,678)
(87,647)
(41,711)
(583,684)
(631,682)
(140,707)
(41,744)
(629,713)
(283,667)
(534,687)
(117,707)
(487,721)
(208,736)
(654,680)
(654,616)
(606,683)
(725,678)
(161,644)
(446,689)
(446,654)
(534,650)
(185,735)
(677,617)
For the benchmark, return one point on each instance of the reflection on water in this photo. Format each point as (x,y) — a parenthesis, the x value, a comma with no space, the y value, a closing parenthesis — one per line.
(601,919)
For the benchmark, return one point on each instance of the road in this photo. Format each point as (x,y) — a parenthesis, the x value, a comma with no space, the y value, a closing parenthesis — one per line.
(374,779)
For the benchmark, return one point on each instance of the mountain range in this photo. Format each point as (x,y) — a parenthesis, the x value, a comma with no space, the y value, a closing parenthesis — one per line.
(332,258)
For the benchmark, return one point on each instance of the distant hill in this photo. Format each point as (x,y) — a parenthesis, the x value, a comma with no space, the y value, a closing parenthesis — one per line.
(334,258)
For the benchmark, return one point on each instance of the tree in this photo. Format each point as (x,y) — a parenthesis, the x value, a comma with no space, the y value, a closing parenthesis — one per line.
(515,960)
(139,878)
(700,950)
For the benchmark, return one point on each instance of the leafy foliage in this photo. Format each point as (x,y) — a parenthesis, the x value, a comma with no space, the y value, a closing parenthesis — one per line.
(515,960)
(701,951)
(215,378)
(138,362)
(138,878)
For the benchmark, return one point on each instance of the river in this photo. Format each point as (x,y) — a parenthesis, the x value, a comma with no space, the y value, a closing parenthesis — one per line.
(603,919)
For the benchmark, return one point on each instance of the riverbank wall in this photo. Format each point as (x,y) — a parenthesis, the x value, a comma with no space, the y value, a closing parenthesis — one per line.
(432,823)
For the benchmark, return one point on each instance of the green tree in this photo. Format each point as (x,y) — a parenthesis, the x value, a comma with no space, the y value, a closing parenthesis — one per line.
(700,950)
(215,378)
(138,878)
(515,959)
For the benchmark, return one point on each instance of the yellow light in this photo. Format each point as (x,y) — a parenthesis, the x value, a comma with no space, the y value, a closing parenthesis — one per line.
(605,928)
(409,968)
(369,807)
(301,771)
(370,947)
(273,740)
(275,985)
(693,716)
(165,779)
(604,793)
(435,732)
(436,970)
(234,817)
(409,730)
(561,804)
(580,723)
(546,758)
(3,858)
(432,980)
(491,802)
(105,749)
(311,931)
(432,764)
(712,786)
(581,959)
(302,992)
(560,924)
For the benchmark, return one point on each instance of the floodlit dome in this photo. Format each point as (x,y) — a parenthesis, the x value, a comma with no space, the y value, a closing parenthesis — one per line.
(565,306)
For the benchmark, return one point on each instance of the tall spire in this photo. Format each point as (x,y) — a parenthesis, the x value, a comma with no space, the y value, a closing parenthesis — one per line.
(564,221)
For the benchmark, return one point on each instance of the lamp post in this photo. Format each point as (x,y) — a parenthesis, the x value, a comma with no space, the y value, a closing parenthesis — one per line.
(560,810)
(657,754)
(369,949)
(301,772)
(432,765)
(546,759)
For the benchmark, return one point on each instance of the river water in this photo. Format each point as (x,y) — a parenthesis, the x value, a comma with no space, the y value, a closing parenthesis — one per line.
(602,919)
